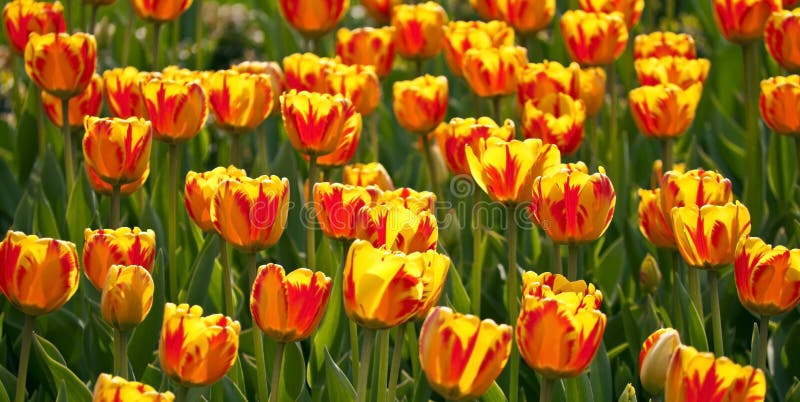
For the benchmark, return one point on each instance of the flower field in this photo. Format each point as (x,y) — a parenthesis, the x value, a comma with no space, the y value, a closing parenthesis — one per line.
(388,200)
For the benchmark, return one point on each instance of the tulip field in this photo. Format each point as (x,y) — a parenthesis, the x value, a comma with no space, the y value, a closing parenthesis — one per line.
(398,200)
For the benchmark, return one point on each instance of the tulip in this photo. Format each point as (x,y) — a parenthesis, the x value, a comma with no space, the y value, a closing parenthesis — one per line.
(462,355)
(594,39)
(672,70)
(313,121)
(658,172)
(780,103)
(358,83)
(493,72)
(338,205)
(177,109)
(696,187)
(115,389)
(654,358)
(649,274)
(103,188)
(127,296)
(526,16)
(781,27)
(23,17)
(453,138)
(380,10)
(420,104)
(61,64)
(537,80)
(487,9)
(416,201)
(631,9)
(542,285)
(117,150)
(420,29)
(160,11)
(240,101)
(556,119)
(313,18)
(664,111)
(123,93)
(396,228)
(654,225)
(271,69)
(183,75)
(664,44)
(86,103)
(307,72)
(592,89)
(103,248)
(199,191)
(743,21)
(348,143)
(367,46)
(194,350)
(460,36)
(367,174)
(701,377)
(707,236)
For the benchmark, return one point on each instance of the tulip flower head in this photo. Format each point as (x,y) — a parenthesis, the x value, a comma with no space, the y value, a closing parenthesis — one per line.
(460,36)
(454,136)
(592,89)
(420,104)
(594,39)
(367,46)
(655,356)
(707,236)
(199,192)
(782,27)
(462,355)
(767,277)
(123,92)
(103,248)
(348,142)
(314,122)
(240,101)
(556,119)
(664,44)
(272,69)
(194,350)
(416,201)
(493,72)
(358,83)
(115,389)
(701,377)
(664,111)
(696,187)
(538,80)
(487,9)
(103,188)
(160,11)
(307,72)
(671,70)
(177,109)
(526,16)
(541,285)
(127,296)
(23,17)
(420,29)
(780,104)
(631,9)
(338,206)
(367,174)
(743,21)
(60,64)
(117,150)
(380,10)
(397,228)
(86,103)
(288,308)
(313,18)
(654,225)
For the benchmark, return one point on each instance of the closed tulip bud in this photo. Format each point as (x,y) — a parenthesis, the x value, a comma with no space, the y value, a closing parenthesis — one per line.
(671,70)
(420,104)
(767,277)
(307,72)
(743,21)
(103,188)
(313,18)
(37,275)
(367,46)
(396,228)
(782,27)
(194,350)
(594,39)
(780,104)
(383,288)
(556,119)
(123,92)
(288,308)
(493,72)
(240,101)
(160,11)
(537,80)
(462,355)
(86,103)
(547,284)
(664,44)
(571,321)
(593,89)
(314,122)
(177,110)
(367,174)
(628,394)
(250,214)
(420,29)
(103,248)
(199,192)
(358,83)
(527,16)
(23,17)
(127,296)
(453,138)
(487,9)
(117,150)
(380,10)
(654,225)
(707,236)
(649,274)
(460,36)
(654,358)
(631,9)
(664,111)
(506,170)
(271,69)
(61,64)
(416,201)
(696,187)
(573,206)
(116,389)
(701,377)
(338,207)
(348,143)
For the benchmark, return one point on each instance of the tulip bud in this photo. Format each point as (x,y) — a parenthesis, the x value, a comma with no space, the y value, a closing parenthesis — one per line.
(314,122)
(707,236)
(177,109)
(461,36)
(654,358)
(104,248)
(420,104)
(367,46)
(240,101)
(127,296)
(780,104)
(628,394)
(420,29)
(649,274)
(73,56)
(594,39)
(117,150)
(527,16)
(23,17)
(767,277)
(313,18)
(743,21)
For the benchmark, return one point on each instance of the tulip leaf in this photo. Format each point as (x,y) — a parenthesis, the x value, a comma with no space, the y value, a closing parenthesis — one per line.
(11,193)
(327,337)
(458,294)
(27,137)
(422,391)
(793,395)
(53,183)
(600,375)
(3,393)
(202,268)
(609,269)
(62,392)
(292,371)
(694,323)
(494,394)
(45,221)
(337,384)
(781,168)
(579,389)
(77,390)
(226,391)
(24,215)
(145,336)
(80,209)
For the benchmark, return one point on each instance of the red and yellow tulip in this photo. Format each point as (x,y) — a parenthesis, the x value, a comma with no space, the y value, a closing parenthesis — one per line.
(780,104)
(240,101)
(116,389)
(338,206)
(314,122)
(272,69)
(593,89)
(177,109)
(453,138)
(664,111)
(380,10)
(127,296)
(743,21)
(416,201)
(537,80)
(420,104)
(103,188)
(460,36)
(23,17)
(117,150)
(493,72)
(655,356)
(631,9)
(307,72)
(86,103)
(348,143)
(394,227)
(767,277)
(696,187)
(103,248)
(654,225)
(367,174)
(358,83)
(680,71)
(664,44)
(594,39)
(60,64)
(123,92)
(160,11)
(313,18)
(526,16)
(779,35)
(707,236)
(419,28)
(487,9)
(701,377)
(367,46)
(556,119)
(199,192)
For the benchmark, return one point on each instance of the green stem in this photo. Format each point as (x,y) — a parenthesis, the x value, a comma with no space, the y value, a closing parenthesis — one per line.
(418,67)
(670,10)
(227,278)
(113,220)
(258,343)
(366,355)
(511,298)
(716,317)
(156,45)
(92,19)
(477,254)
(69,162)
(236,150)
(694,291)
(558,267)
(397,355)
(68,16)
(198,31)
(754,157)
(667,154)
(546,390)
(24,358)
(383,364)
(572,262)
(432,171)
(172,225)
(373,135)
(594,145)
(354,347)
(675,277)
(573,5)
(495,101)
(120,353)
(613,132)
(262,159)
(311,229)
(180,393)
(763,341)
(277,363)
(126,45)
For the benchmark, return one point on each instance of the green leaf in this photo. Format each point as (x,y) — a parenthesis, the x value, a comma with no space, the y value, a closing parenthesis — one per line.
(781,167)
(694,324)
(76,390)
(609,269)
(226,391)
(3,393)
(44,219)
(292,373)
(330,332)
(458,293)
(63,395)
(201,271)
(494,394)
(80,209)
(337,384)
(422,392)
(23,217)
(600,375)
(793,395)
(11,193)
(579,389)
(27,138)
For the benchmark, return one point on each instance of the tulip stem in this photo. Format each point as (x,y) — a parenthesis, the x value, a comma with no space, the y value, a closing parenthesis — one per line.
(613,132)
(277,363)
(24,358)
(120,353)
(557,263)
(69,167)
(546,390)
(418,67)
(366,355)
(156,44)
(198,32)
(667,154)
(593,142)
(126,45)
(383,364)
(397,355)
(92,19)
(511,295)
(716,318)
(113,220)
(310,235)
(495,101)
(675,276)
(235,151)
(670,10)
(694,291)
(432,173)
(572,261)
(477,254)
(373,134)
(754,183)
(227,278)
(261,165)
(172,226)
(763,341)
(258,343)
(354,347)
(180,393)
